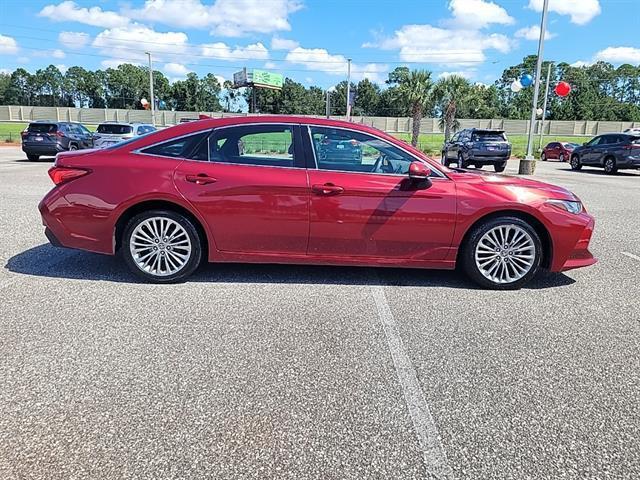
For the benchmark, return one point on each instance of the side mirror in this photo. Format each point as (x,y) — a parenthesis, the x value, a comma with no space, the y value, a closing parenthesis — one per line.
(419,173)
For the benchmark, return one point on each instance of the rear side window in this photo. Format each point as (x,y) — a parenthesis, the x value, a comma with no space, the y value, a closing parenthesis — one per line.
(265,145)
(488,137)
(114,129)
(178,148)
(42,128)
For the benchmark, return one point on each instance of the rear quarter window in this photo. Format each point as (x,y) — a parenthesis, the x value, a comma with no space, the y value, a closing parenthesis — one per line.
(111,129)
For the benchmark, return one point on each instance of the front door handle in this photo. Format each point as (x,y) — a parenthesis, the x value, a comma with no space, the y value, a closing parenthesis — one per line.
(327,189)
(201,179)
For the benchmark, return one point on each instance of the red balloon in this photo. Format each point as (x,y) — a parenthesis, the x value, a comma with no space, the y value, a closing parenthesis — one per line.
(562,89)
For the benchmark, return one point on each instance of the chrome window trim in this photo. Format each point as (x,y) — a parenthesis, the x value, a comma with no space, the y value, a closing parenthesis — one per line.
(441,175)
(138,151)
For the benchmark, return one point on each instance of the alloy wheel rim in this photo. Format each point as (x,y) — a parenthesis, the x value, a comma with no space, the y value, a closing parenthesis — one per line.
(160,246)
(505,254)
(609,164)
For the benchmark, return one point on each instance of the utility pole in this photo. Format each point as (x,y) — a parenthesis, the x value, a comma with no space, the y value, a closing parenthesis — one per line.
(328,108)
(528,164)
(152,99)
(348,89)
(544,107)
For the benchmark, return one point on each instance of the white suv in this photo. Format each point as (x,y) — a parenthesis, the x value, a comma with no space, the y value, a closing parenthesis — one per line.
(110,133)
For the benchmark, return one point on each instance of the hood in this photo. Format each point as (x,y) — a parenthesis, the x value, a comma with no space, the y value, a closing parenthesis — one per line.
(488,180)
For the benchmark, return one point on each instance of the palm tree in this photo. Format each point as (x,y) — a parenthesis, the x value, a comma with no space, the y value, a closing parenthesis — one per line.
(451,93)
(415,89)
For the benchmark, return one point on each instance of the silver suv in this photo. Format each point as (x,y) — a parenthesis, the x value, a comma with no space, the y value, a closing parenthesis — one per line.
(110,133)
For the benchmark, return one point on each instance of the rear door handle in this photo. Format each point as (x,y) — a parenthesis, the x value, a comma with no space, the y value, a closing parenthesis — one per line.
(201,179)
(327,189)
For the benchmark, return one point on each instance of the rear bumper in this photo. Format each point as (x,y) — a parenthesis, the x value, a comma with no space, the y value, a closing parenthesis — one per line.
(488,158)
(39,149)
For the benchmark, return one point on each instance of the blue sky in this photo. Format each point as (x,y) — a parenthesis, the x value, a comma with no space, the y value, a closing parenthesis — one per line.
(309,40)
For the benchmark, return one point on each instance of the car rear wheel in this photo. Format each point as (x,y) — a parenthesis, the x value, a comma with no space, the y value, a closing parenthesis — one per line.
(503,253)
(33,158)
(499,167)
(161,246)
(610,166)
(576,164)
(445,162)
(543,157)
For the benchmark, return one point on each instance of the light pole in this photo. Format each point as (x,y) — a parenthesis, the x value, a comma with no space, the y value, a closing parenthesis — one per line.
(348,89)
(328,107)
(527,165)
(152,99)
(544,107)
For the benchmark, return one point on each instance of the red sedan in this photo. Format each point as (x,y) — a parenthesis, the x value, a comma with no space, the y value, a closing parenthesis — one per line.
(558,150)
(283,189)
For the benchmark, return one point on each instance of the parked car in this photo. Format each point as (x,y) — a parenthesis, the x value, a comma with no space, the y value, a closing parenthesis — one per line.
(191,195)
(338,150)
(46,139)
(612,151)
(110,133)
(478,147)
(558,150)
(633,131)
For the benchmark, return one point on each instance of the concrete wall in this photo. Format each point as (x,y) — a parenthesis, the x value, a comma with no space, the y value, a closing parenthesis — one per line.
(92,116)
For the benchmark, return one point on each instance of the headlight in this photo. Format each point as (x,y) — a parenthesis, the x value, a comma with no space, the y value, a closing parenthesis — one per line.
(571,206)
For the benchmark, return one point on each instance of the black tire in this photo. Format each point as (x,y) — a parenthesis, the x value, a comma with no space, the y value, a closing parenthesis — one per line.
(461,161)
(499,167)
(543,157)
(561,158)
(479,166)
(467,254)
(195,242)
(445,161)
(33,158)
(73,147)
(610,166)
(575,163)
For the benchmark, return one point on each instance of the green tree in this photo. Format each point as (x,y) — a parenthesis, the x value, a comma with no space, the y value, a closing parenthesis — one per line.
(367,98)
(416,90)
(453,94)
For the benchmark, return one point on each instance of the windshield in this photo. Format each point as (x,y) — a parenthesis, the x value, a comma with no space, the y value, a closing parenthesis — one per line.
(114,129)
(488,137)
(43,128)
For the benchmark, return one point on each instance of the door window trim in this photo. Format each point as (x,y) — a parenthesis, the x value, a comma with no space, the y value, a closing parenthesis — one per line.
(315,159)
(138,151)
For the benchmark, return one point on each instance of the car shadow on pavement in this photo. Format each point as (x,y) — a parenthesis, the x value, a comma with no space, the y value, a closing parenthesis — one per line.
(601,172)
(48,261)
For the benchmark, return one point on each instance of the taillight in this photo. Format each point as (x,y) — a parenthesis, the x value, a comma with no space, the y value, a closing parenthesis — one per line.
(24,133)
(65,174)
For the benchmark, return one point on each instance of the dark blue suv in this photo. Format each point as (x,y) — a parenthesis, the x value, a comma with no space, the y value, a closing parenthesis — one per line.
(46,139)
(478,147)
(612,151)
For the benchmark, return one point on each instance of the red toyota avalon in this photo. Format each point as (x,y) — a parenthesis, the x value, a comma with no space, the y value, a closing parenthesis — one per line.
(283,189)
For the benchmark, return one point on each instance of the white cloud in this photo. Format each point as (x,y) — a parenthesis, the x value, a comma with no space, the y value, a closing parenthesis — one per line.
(57,53)
(460,73)
(533,33)
(176,69)
(23,60)
(429,44)
(618,55)
(8,45)
(270,65)
(115,63)
(477,14)
(63,68)
(220,79)
(5,71)
(74,40)
(321,60)
(580,12)
(69,11)
(230,18)
(119,43)
(581,63)
(278,43)
(222,51)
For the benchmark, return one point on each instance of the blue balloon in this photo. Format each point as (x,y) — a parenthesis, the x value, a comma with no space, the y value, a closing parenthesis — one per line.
(526,80)
(163,104)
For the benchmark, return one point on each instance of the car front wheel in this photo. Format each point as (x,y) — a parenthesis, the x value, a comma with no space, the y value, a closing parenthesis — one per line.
(576,164)
(503,253)
(161,246)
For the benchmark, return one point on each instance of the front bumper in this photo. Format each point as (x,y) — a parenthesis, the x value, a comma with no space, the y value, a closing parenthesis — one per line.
(580,256)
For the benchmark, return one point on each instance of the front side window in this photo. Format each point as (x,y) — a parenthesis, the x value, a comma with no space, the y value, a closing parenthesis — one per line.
(352,151)
(178,148)
(595,141)
(262,145)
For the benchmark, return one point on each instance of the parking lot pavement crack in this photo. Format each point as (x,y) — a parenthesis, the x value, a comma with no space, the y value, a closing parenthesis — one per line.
(434,455)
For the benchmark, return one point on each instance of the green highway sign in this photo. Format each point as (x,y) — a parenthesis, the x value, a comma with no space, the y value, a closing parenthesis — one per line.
(267,79)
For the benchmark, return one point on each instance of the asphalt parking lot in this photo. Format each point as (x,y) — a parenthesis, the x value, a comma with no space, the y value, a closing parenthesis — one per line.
(269,372)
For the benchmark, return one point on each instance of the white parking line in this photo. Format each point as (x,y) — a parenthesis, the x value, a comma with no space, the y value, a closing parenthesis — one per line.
(631,255)
(434,456)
